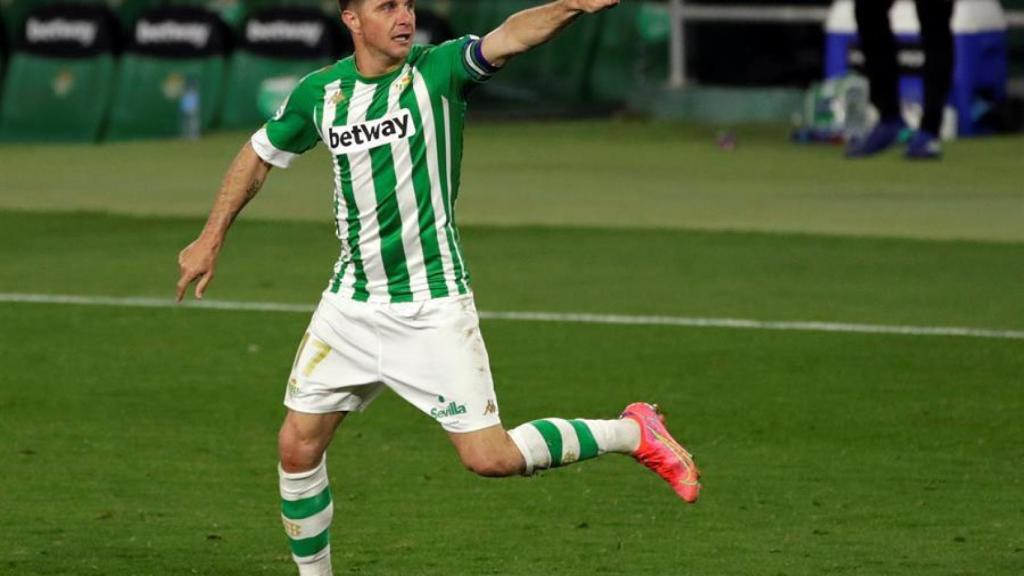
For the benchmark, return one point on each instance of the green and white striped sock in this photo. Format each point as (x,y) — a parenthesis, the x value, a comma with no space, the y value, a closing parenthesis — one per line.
(307,510)
(554,442)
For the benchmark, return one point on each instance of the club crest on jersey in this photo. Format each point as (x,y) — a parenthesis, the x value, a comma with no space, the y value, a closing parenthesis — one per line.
(370,134)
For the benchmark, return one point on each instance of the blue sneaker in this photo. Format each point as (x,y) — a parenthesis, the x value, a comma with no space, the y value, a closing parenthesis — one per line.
(882,136)
(924,146)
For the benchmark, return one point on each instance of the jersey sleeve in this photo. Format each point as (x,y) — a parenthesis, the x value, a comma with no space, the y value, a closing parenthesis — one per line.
(466,62)
(290,132)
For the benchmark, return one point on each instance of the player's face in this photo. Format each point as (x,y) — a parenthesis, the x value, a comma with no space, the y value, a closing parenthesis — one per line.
(387,26)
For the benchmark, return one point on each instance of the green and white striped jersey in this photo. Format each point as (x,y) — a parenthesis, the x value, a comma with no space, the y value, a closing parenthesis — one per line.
(396,144)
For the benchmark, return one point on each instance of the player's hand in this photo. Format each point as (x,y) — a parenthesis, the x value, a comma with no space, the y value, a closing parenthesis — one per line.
(196,262)
(591,6)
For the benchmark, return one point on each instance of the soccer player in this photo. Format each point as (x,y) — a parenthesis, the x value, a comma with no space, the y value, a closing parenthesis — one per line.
(398,311)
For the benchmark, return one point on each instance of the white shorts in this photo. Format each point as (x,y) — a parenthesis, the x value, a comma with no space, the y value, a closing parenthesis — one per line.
(431,353)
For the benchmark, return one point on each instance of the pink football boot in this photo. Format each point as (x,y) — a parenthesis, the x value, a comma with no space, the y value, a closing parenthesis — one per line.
(661,453)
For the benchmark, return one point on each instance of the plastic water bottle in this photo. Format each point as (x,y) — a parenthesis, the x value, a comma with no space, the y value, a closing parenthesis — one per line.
(189,110)
(856,108)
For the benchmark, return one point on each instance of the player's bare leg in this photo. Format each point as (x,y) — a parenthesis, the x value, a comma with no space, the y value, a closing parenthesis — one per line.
(304,438)
(489,452)
(306,504)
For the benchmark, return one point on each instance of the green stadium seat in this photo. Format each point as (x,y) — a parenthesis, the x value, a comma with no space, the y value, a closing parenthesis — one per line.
(556,74)
(232,12)
(128,11)
(57,85)
(567,60)
(48,98)
(260,5)
(15,11)
(251,75)
(172,50)
(149,91)
(482,17)
(277,45)
(432,27)
(631,55)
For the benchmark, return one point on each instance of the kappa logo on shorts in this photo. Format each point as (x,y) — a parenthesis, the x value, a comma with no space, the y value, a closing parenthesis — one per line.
(371,134)
(491,407)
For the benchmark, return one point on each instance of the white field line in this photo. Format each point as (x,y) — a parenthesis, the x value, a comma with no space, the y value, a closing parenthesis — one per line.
(607,319)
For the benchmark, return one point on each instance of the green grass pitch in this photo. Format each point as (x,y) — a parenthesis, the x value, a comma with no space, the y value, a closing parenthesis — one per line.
(141,441)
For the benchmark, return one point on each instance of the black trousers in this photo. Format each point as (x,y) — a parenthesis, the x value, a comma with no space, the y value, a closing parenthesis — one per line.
(879,46)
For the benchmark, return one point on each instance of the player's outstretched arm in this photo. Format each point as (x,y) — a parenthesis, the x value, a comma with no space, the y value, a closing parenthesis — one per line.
(242,181)
(535,26)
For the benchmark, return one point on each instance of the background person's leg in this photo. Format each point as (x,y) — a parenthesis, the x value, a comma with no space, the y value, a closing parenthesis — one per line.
(937,37)
(878,44)
(879,47)
(306,505)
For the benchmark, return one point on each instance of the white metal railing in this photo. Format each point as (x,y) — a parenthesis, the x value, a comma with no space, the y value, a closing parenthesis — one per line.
(681,12)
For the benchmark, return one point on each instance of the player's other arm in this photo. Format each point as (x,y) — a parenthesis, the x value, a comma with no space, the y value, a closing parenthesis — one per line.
(535,26)
(242,181)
